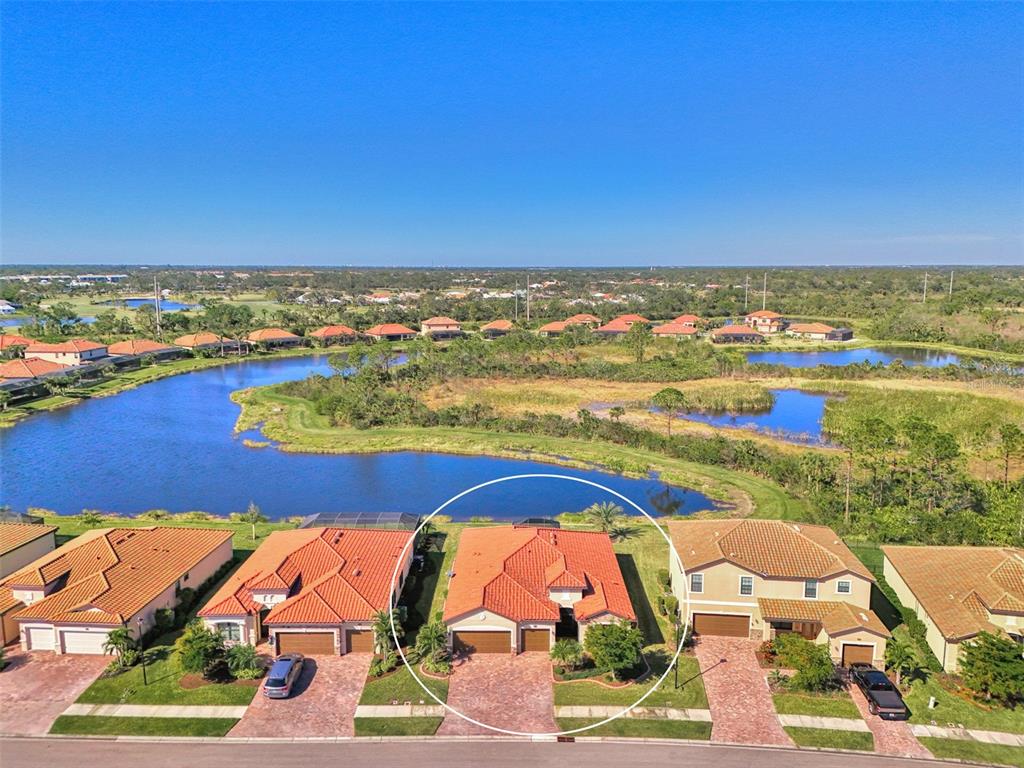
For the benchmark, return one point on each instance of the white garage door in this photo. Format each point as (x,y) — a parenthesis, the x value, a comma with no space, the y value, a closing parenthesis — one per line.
(83,642)
(40,639)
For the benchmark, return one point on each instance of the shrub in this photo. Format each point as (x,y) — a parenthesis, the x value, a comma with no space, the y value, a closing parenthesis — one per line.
(567,653)
(163,620)
(661,604)
(664,578)
(614,647)
(200,650)
(186,599)
(439,662)
(671,603)
(381,665)
(243,662)
(992,667)
(813,664)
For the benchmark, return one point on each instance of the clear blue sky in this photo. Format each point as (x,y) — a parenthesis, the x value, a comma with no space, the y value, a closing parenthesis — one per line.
(512,134)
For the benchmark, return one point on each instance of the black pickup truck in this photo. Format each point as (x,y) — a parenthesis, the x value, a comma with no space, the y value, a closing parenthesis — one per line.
(883,698)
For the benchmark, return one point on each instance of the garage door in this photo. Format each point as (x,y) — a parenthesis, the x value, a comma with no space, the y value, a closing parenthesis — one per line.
(308,643)
(83,642)
(852,654)
(720,624)
(40,639)
(536,640)
(483,642)
(359,640)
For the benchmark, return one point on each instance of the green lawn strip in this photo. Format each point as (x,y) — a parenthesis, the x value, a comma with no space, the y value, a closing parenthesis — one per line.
(418,594)
(690,694)
(974,751)
(641,554)
(451,533)
(827,738)
(953,709)
(397,726)
(640,728)
(142,726)
(400,686)
(818,705)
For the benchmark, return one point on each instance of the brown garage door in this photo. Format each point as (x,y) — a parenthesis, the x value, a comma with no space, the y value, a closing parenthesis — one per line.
(359,640)
(308,643)
(720,624)
(858,653)
(536,640)
(483,642)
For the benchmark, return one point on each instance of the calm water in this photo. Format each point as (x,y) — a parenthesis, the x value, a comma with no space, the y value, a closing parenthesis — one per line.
(15,322)
(794,417)
(169,445)
(809,359)
(165,304)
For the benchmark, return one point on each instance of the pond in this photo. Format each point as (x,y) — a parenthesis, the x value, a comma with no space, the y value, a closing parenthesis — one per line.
(169,445)
(166,305)
(930,358)
(794,417)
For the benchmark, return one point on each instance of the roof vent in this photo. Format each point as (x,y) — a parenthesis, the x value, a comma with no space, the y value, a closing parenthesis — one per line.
(357,572)
(863,617)
(796,528)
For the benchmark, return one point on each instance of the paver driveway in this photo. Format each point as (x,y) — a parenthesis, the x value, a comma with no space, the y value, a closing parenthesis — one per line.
(36,687)
(742,710)
(322,703)
(510,692)
(892,737)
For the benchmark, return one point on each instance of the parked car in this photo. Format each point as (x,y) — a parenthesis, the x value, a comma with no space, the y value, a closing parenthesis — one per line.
(282,676)
(883,698)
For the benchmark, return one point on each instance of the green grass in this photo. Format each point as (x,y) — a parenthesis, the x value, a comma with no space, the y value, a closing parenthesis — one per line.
(975,751)
(397,726)
(826,738)
(690,695)
(419,595)
(400,686)
(820,705)
(141,726)
(640,728)
(953,709)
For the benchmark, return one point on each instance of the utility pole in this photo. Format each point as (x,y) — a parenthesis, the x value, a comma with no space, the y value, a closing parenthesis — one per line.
(527,297)
(764,293)
(516,293)
(746,291)
(924,296)
(156,302)
(951,283)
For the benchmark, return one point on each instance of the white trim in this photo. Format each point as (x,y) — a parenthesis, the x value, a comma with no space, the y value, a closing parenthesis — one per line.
(848,582)
(739,586)
(693,591)
(817,588)
(723,602)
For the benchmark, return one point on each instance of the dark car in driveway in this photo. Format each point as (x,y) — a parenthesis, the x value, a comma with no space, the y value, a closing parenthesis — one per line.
(883,698)
(282,675)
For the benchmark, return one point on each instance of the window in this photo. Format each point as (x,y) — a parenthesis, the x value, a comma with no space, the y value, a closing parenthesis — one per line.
(229,630)
(843,587)
(811,589)
(746,585)
(697,582)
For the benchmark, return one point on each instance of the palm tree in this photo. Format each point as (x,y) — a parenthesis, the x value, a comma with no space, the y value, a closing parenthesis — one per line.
(604,514)
(900,659)
(253,515)
(567,653)
(118,641)
(431,638)
(382,631)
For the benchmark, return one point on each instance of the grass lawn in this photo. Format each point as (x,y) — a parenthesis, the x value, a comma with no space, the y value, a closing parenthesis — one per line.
(400,686)
(830,739)
(451,533)
(975,751)
(953,709)
(419,595)
(640,728)
(689,696)
(397,726)
(821,705)
(142,726)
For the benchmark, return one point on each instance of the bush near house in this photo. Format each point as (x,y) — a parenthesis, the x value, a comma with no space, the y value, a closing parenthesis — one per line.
(812,662)
(614,647)
(992,666)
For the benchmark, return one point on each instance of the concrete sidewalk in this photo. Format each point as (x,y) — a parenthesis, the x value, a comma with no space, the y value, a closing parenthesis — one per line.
(658,713)
(155,710)
(399,710)
(969,734)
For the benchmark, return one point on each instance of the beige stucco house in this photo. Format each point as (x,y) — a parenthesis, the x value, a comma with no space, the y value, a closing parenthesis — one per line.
(958,592)
(758,578)
(20,544)
(73,352)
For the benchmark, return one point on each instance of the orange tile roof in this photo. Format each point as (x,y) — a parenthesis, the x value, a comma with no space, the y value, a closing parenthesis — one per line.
(555,327)
(959,586)
(674,329)
(14,535)
(766,314)
(583,317)
(771,548)
(13,340)
(332,575)
(836,617)
(202,338)
(74,345)
(137,347)
(687,319)
(498,325)
(390,329)
(508,570)
(110,574)
(809,328)
(271,334)
(439,321)
(333,330)
(630,319)
(735,329)
(28,368)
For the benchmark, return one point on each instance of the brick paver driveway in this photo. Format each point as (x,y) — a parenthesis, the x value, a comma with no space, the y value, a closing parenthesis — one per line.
(892,737)
(322,703)
(36,687)
(742,711)
(510,692)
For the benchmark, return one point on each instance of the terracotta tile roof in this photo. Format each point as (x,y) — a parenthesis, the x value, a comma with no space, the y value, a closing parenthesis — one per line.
(498,325)
(508,570)
(443,321)
(331,574)
(14,535)
(271,334)
(333,330)
(771,548)
(836,617)
(13,340)
(767,314)
(110,574)
(614,326)
(583,317)
(202,338)
(137,347)
(74,345)
(687,319)
(390,329)
(809,328)
(959,586)
(630,319)
(674,329)
(726,330)
(28,368)
(556,327)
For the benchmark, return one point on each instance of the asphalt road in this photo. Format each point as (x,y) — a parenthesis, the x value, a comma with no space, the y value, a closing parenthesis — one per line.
(75,753)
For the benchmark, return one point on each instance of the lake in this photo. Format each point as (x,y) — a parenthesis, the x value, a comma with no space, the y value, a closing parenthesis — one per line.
(169,445)
(794,417)
(809,359)
(166,305)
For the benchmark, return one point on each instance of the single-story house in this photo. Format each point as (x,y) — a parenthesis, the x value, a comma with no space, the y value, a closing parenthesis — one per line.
(584,318)
(620,325)
(274,337)
(209,342)
(74,352)
(675,330)
(6,308)
(516,588)
(959,592)
(11,344)
(814,331)
(736,334)
(334,334)
(379,297)
(29,368)
(441,328)
(312,590)
(496,328)
(143,347)
(20,544)
(69,599)
(689,320)
(391,332)
(758,578)
(839,334)
(556,328)
(765,321)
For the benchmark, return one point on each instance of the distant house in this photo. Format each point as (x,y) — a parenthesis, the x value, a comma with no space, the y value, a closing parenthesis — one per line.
(143,347)
(379,297)
(690,321)
(496,328)
(12,345)
(620,325)
(20,544)
(28,368)
(556,328)
(765,321)
(6,308)
(74,352)
(675,330)
(814,331)
(333,334)
(736,334)
(274,338)
(839,334)
(391,332)
(208,342)
(441,328)
(584,319)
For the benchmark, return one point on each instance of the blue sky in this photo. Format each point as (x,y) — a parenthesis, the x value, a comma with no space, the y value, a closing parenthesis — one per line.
(520,134)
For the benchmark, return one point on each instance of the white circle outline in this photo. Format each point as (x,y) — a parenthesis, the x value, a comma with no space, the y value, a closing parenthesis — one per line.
(392,604)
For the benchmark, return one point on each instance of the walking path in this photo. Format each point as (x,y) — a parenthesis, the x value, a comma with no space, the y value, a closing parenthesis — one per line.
(156,710)
(969,734)
(826,723)
(892,737)
(400,710)
(595,712)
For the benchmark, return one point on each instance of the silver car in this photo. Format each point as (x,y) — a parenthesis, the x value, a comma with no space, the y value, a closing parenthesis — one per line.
(282,676)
